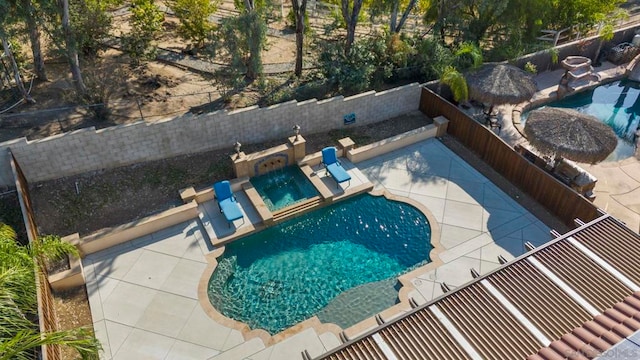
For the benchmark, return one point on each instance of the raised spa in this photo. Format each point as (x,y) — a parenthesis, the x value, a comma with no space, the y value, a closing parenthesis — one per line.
(284,187)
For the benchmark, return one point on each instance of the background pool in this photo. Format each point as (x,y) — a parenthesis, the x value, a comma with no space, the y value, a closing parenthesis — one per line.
(616,104)
(351,251)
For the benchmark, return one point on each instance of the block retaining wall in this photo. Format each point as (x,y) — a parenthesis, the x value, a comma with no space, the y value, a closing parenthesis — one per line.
(90,149)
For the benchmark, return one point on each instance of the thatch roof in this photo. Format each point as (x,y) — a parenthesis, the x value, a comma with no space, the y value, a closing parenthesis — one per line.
(500,84)
(570,134)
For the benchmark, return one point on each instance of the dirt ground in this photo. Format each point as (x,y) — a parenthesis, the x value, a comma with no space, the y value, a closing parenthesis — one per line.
(100,199)
(150,92)
(72,310)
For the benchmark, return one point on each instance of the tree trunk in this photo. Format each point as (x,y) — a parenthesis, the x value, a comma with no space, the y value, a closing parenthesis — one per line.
(405,16)
(72,52)
(441,21)
(351,19)
(254,60)
(597,54)
(351,35)
(16,71)
(299,10)
(393,19)
(34,37)
(255,47)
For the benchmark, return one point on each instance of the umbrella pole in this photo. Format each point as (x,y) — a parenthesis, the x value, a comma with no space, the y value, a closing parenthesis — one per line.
(487,115)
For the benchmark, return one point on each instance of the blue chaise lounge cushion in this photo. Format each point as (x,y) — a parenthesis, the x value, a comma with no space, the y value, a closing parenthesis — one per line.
(330,161)
(226,201)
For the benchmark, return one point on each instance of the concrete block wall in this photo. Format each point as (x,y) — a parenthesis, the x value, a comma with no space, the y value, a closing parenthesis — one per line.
(90,149)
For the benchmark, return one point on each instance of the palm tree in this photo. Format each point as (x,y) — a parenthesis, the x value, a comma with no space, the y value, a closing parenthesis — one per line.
(468,55)
(469,52)
(19,333)
(456,81)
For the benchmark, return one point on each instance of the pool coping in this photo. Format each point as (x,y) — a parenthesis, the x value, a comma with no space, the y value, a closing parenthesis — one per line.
(404,294)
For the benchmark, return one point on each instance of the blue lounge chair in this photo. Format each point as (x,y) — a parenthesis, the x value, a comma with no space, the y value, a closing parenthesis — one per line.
(333,166)
(227,201)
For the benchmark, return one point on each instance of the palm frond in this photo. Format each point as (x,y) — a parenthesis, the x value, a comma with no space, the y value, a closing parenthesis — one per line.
(20,346)
(456,81)
(6,232)
(51,247)
(467,48)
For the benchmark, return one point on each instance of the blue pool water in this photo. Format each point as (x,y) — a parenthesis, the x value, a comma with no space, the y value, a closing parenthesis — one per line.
(616,104)
(281,188)
(350,251)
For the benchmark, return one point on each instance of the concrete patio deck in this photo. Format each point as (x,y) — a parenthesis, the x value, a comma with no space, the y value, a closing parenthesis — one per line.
(144,294)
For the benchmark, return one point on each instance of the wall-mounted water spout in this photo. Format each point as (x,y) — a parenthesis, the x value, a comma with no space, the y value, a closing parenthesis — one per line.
(268,160)
(270,163)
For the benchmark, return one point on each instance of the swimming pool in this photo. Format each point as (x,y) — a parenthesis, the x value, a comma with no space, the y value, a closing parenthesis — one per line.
(351,252)
(284,187)
(616,104)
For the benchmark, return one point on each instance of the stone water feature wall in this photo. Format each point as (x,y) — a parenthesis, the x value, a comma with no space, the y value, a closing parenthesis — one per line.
(277,157)
(90,149)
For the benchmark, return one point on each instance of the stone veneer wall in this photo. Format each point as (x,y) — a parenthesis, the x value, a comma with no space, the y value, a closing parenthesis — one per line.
(90,149)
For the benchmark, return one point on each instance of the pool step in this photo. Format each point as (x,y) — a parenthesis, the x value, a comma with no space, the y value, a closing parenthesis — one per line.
(296,209)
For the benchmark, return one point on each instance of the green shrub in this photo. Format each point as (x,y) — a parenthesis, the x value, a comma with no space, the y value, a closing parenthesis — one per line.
(398,51)
(530,68)
(91,24)
(351,73)
(146,21)
(194,18)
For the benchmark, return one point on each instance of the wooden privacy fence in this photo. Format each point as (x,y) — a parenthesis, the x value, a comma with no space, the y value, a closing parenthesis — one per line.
(559,199)
(46,310)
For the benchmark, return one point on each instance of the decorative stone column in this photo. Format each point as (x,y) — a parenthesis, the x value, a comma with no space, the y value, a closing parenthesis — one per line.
(299,147)
(441,123)
(346,144)
(240,164)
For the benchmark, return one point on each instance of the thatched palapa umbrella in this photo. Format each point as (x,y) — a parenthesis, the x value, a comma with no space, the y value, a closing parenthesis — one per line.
(497,84)
(570,134)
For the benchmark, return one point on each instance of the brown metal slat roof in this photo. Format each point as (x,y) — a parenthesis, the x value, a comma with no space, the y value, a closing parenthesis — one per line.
(363,349)
(585,276)
(422,336)
(596,336)
(616,244)
(549,308)
(488,326)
